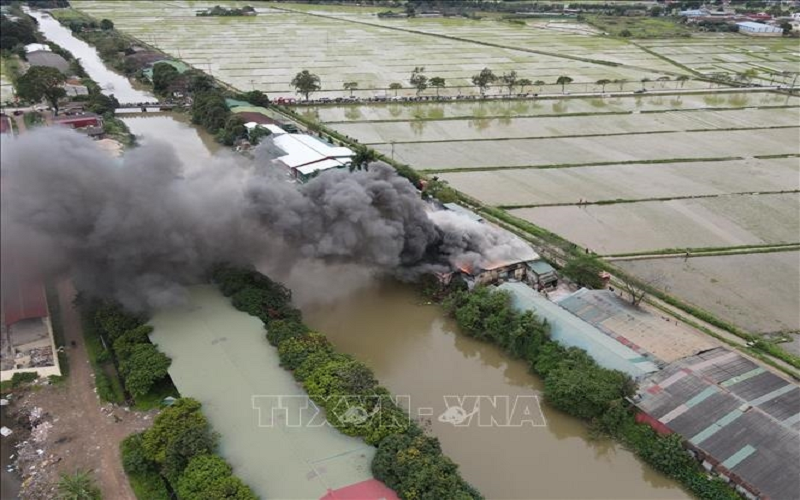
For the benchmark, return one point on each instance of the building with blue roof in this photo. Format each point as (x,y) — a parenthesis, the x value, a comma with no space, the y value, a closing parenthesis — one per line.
(571,331)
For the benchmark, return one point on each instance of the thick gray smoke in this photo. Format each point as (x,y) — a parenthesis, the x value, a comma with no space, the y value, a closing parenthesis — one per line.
(141,228)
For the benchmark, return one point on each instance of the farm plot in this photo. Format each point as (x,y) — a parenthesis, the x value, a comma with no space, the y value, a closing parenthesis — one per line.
(560,126)
(757,292)
(442,156)
(732,53)
(730,220)
(544,107)
(263,51)
(626,182)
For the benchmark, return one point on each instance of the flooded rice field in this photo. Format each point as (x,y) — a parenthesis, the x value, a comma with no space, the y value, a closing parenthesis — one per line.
(755,291)
(730,220)
(626,182)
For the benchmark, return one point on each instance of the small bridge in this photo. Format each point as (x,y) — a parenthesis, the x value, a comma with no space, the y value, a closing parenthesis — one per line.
(143,107)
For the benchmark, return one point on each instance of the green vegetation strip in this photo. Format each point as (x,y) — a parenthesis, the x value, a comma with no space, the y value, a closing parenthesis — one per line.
(642,200)
(120,346)
(575,136)
(576,384)
(573,165)
(698,251)
(407,461)
(177,458)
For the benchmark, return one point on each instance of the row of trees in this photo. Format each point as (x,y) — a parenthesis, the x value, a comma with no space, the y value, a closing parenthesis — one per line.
(180,448)
(140,364)
(410,463)
(306,83)
(575,384)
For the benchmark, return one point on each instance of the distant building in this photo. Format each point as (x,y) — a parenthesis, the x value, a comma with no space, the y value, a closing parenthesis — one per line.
(49,59)
(34,47)
(759,29)
(86,123)
(306,156)
(737,418)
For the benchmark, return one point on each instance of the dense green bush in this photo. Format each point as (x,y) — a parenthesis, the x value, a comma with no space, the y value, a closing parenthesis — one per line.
(280,330)
(584,270)
(180,447)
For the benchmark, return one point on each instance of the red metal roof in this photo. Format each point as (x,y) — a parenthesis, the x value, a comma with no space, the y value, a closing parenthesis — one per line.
(22,298)
(371,489)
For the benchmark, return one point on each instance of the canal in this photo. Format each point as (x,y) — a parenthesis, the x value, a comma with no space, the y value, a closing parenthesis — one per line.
(110,82)
(416,350)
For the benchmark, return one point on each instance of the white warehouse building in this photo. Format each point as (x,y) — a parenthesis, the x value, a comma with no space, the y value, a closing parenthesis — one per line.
(759,29)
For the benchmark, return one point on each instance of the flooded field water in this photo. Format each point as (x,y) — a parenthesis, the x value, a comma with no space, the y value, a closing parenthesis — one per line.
(415,350)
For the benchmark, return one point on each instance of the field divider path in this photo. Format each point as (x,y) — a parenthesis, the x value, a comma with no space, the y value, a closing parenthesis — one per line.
(576,136)
(642,200)
(705,252)
(589,164)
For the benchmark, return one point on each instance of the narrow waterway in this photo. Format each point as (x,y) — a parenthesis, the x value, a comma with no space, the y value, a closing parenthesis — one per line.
(109,81)
(415,350)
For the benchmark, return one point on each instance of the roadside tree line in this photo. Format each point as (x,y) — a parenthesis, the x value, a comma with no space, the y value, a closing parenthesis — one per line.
(307,83)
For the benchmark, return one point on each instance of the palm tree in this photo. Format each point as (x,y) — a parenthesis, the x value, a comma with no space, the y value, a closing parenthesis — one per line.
(540,84)
(603,82)
(510,80)
(395,86)
(662,79)
(363,157)
(563,80)
(524,82)
(621,83)
(644,81)
(682,79)
(78,486)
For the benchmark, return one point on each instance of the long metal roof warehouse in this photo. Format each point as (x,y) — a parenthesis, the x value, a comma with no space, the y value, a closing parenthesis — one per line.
(743,420)
(571,331)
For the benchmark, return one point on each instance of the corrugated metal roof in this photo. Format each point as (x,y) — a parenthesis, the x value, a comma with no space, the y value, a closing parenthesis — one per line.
(541,267)
(571,331)
(455,207)
(642,331)
(740,414)
(320,166)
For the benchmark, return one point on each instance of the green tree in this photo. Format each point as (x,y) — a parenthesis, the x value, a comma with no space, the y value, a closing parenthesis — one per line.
(234,129)
(418,80)
(563,81)
(540,84)
(124,344)
(42,82)
(280,330)
(363,157)
(78,486)
(644,82)
(197,81)
(584,391)
(145,366)
(603,82)
(306,83)
(134,458)
(351,86)
(295,350)
(164,75)
(510,80)
(106,24)
(168,427)
(209,110)
(585,271)
(682,79)
(209,476)
(395,86)
(437,82)
(524,82)
(484,79)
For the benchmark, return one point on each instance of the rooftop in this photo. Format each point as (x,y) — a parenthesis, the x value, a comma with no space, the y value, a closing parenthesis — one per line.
(638,329)
(455,207)
(49,59)
(571,331)
(743,416)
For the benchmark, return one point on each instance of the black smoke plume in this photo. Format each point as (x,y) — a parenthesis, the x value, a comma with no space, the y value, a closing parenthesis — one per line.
(140,229)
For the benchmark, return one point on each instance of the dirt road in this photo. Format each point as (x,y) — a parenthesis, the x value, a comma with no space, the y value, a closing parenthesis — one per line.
(85,433)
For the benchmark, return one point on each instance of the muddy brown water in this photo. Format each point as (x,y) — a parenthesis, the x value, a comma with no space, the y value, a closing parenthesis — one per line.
(415,350)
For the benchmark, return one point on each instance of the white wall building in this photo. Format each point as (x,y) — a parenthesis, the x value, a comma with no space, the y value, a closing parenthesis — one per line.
(759,29)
